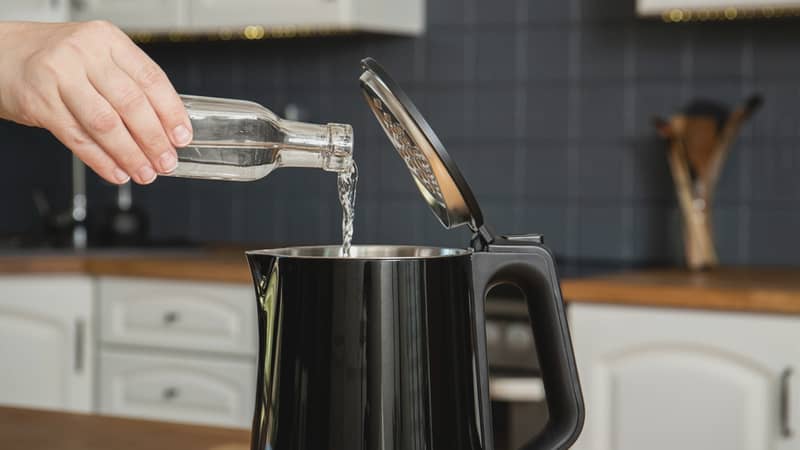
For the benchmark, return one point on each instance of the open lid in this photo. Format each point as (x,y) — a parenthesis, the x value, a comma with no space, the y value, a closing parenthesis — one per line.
(435,173)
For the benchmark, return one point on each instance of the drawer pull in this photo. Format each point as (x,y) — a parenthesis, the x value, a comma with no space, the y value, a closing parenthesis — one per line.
(80,330)
(170,393)
(786,430)
(171,317)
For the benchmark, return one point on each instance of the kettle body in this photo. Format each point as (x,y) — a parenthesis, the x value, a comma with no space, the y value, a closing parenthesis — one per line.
(386,349)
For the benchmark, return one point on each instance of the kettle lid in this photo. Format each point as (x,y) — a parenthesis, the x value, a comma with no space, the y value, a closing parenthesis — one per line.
(435,173)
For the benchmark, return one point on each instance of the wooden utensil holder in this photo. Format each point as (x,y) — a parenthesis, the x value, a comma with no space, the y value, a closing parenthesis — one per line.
(698,146)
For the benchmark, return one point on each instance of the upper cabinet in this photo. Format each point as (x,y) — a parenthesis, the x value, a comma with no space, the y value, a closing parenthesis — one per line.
(35,10)
(703,10)
(136,15)
(403,17)
(258,16)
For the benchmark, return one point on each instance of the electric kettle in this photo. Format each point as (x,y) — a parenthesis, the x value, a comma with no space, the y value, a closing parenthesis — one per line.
(386,348)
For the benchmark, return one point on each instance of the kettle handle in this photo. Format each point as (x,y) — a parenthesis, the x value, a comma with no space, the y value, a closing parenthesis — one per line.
(532,270)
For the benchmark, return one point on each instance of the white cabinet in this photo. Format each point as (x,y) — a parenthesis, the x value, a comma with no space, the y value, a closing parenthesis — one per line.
(212,14)
(178,388)
(650,8)
(46,336)
(208,16)
(35,10)
(181,351)
(141,15)
(405,17)
(206,317)
(661,379)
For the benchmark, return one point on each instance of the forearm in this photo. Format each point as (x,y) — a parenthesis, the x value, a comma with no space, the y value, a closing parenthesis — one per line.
(7,32)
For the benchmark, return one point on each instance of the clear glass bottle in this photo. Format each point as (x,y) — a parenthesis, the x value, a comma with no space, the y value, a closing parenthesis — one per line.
(243,141)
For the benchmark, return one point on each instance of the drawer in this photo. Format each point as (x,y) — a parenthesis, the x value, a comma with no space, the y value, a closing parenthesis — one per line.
(209,317)
(177,388)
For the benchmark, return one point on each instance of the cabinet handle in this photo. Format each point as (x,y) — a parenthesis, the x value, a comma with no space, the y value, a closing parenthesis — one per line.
(786,430)
(78,5)
(80,330)
(171,317)
(170,393)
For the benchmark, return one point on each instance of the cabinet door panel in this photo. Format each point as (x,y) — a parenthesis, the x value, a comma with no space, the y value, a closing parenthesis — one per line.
(645,389)
(666,379)
(33,349)
(177,388)
(45,342)
(209,317)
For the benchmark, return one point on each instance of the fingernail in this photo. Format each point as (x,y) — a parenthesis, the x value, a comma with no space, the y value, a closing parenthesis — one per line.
(121,176)
(168,162)
(181,135)
(146,174)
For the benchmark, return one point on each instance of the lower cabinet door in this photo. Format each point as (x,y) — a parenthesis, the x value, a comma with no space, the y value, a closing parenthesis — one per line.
(177,388)
(661,379)
(46,342)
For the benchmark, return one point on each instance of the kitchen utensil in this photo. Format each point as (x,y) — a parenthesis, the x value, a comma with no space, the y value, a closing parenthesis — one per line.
(80,237)
(121,225)
(387,348)
(244,141)
(699,141)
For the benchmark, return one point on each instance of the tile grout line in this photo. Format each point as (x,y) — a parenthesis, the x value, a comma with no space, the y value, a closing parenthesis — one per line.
(520,114)
(687,67)
(573,131)
(745,181)
(629,124)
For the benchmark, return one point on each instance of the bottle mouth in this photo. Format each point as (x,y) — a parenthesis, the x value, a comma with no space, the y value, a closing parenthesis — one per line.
(340,155)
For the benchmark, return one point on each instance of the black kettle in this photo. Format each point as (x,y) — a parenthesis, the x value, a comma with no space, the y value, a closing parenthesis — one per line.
(386,348)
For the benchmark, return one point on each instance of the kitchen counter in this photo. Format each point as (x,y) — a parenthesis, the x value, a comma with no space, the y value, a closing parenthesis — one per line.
(767,290)
(46,430)
(770,290)
(210,265)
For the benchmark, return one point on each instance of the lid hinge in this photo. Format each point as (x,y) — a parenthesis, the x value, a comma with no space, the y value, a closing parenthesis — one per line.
(482,238)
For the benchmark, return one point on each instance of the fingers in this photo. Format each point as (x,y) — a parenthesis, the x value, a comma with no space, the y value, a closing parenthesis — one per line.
(105,127)
(102,96)
(136,112)
(158,89)
(67,130)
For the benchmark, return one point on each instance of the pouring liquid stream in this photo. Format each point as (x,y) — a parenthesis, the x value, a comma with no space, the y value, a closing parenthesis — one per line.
(346,183)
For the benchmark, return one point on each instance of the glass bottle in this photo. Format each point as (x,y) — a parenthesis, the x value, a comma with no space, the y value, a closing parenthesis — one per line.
(243,141)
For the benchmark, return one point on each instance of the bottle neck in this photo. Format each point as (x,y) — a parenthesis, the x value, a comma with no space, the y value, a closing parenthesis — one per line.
(329,147)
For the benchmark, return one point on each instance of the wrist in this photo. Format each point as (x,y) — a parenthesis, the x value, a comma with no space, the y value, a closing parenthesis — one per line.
(12,40)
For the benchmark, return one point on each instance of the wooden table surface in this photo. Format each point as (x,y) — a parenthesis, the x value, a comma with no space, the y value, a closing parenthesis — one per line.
(767,290)
(25,429)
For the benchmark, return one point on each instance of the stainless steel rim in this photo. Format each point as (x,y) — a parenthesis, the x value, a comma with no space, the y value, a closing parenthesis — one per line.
(364,252)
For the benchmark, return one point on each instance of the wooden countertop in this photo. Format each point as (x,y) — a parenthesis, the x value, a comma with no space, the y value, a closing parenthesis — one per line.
(221,266)
(46,430)
(769,290)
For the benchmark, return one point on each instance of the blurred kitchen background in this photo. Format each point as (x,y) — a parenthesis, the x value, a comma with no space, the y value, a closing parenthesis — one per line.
(547,106)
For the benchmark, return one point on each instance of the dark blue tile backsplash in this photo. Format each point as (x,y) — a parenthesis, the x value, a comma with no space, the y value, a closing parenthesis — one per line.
(546,105)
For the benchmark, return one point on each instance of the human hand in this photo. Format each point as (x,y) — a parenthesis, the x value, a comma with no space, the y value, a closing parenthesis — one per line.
(97,92)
